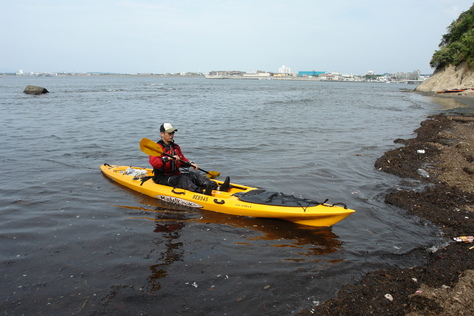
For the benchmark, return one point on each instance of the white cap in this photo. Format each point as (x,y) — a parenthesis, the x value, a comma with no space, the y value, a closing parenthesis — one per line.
(168,128)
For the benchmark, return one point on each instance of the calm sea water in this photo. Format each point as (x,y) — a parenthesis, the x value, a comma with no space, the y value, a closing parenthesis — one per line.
(71,241)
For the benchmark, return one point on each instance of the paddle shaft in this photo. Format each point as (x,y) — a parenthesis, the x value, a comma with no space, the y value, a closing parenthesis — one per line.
(185,162)
(151,148)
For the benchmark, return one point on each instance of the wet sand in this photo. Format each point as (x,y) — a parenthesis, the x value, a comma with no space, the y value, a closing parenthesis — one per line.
(442,157)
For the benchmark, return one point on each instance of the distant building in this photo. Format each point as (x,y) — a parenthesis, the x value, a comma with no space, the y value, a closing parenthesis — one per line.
(257,75)
(226,73)
(284,70)
(310,73)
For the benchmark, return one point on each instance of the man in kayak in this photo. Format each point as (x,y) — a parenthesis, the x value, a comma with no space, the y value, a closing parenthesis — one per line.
(166,169)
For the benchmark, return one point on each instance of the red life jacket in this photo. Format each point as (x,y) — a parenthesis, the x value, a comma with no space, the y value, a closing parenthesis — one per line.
(163,165)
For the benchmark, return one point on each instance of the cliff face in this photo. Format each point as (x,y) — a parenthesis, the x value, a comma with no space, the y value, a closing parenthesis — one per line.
(451,77)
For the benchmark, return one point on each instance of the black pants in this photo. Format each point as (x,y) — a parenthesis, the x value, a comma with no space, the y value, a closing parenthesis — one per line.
(191,181)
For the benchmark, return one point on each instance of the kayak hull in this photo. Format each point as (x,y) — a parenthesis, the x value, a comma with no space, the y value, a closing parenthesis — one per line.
(321,215)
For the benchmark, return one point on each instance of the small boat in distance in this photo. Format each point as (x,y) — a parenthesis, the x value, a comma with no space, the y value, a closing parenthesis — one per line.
(453,90)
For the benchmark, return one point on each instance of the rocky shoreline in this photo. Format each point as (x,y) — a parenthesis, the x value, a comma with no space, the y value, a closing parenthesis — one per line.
(442,157)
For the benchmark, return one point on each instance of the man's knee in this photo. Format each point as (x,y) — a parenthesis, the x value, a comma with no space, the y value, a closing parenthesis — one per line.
(187,183)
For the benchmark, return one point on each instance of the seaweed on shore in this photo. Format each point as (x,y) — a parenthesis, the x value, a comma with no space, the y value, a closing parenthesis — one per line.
(444,285)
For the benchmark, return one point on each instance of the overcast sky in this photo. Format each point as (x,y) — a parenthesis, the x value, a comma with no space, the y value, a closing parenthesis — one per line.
(160,36)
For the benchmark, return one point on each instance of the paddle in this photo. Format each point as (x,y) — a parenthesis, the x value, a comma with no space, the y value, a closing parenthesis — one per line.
(151,148)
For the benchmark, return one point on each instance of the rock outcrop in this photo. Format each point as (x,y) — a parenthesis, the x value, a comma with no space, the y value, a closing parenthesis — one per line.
(450,77)
(35,90)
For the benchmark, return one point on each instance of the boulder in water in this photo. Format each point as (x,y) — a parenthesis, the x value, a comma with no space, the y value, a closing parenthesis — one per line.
(35,90)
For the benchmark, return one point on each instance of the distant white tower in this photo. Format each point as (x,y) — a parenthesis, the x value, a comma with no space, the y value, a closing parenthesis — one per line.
(284,70)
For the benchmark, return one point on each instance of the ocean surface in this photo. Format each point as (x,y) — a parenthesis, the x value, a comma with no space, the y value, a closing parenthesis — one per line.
(73,242)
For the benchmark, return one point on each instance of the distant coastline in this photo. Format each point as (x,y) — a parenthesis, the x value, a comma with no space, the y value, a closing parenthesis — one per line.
(326,77)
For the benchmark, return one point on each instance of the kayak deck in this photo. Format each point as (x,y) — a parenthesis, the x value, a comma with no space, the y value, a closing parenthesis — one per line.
(302,211)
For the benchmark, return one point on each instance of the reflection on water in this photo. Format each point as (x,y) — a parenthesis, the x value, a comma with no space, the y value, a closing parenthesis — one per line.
(306,243)
(310,241)
(170,234)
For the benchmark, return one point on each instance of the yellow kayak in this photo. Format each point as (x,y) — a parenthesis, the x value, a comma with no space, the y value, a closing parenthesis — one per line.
(238,200)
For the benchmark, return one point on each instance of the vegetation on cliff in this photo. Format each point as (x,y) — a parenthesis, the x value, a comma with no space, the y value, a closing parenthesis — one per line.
(457,46)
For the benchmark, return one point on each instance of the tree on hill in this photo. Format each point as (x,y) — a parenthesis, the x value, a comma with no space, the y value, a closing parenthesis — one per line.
(457,46)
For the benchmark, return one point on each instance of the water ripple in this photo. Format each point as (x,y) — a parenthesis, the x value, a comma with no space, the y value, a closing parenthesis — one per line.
(68,235)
